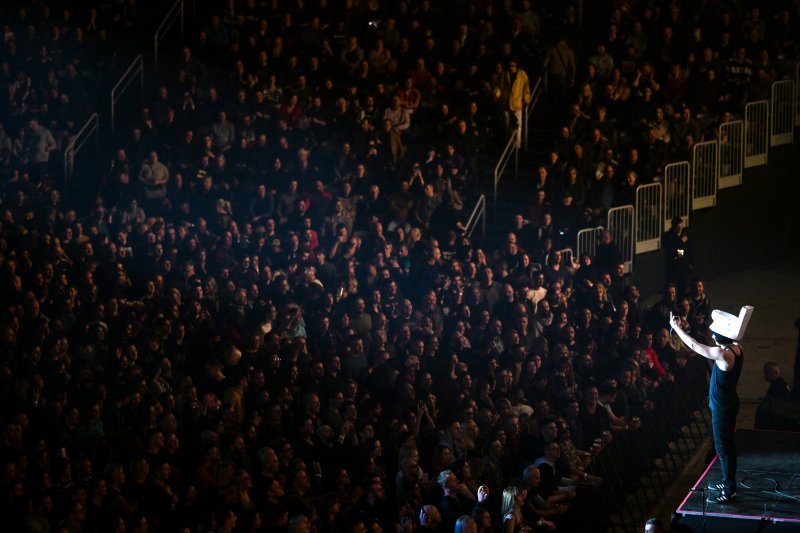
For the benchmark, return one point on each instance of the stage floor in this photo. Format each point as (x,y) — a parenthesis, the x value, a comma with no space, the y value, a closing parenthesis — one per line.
(768,480)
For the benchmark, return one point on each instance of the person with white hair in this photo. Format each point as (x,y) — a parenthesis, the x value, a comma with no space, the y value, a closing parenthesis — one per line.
(728,357)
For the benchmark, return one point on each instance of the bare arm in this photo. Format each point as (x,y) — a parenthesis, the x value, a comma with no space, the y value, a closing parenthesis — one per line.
(617,422)
(709,352)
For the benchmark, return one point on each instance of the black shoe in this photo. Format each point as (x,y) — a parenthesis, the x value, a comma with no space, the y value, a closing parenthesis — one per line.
(719,485)
(723,497)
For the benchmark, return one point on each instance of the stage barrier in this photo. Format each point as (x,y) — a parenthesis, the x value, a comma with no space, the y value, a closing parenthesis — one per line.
(756,133)
(704,175)
(587,241)
(620,223)
(731,154)
(638,466)
(649,217)
(677,194)
(782,117)
(567,258)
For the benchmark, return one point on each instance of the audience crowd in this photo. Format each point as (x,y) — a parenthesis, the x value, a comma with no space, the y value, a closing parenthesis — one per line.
(270,316)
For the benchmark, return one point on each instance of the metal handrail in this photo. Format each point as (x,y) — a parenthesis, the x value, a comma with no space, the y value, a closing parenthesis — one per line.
(175,12)
(514,141)
(75,145)
(567,258)
(536,93)
(478,213)
(500,168)
(136,68)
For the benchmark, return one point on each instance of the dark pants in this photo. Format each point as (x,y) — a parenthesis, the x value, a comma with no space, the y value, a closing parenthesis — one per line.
(723,426)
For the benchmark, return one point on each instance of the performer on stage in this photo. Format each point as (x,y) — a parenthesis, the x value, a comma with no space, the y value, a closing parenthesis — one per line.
(723,400)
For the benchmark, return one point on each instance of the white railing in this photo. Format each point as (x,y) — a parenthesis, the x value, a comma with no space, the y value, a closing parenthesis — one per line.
(704,175)
(649,217)
(567,258)
(76,143)
(586,241)
(620,223)
(715,165)
(175,13)
(502,163)
(135,69)
(756,133)
(536,94)
(677,192)
(782,116)
(478,214)
(731,154)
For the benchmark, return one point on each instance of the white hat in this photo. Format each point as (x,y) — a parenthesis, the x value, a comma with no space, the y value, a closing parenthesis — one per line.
(731,326)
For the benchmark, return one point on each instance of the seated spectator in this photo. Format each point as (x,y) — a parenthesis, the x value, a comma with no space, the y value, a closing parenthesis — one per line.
(554,485)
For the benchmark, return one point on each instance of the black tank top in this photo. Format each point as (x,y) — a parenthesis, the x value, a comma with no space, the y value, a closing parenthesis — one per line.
(722,391)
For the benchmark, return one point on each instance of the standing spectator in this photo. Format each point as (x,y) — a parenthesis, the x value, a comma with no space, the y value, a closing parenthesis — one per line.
(559,65)
(38,142)
(678,255)
(519,94)
(700,313)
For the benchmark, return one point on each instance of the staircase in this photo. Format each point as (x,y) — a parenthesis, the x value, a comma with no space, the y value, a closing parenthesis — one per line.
(91,164)
(516,188)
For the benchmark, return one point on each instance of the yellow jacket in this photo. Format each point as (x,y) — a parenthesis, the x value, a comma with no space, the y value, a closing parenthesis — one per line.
(520,92)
